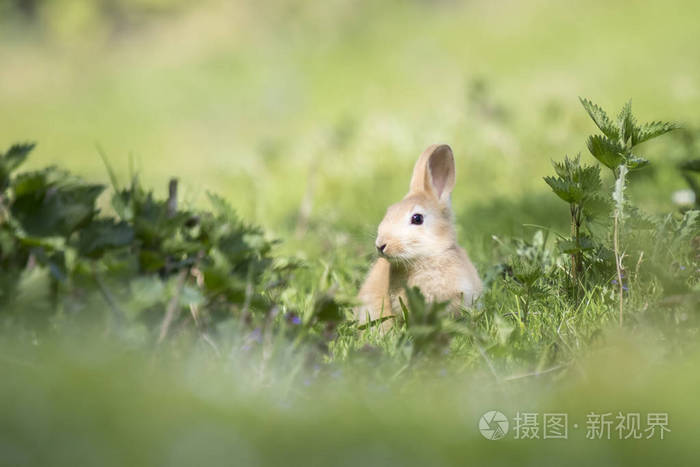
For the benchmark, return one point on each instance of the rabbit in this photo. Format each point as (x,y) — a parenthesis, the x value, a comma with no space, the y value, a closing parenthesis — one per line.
(417,246)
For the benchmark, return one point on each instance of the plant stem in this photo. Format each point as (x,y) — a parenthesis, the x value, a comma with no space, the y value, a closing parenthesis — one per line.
(618,262)
(576,257)
(574,266)
(173,308)
(618,197)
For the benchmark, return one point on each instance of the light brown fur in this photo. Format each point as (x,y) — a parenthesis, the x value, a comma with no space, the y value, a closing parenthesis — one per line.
(427,255)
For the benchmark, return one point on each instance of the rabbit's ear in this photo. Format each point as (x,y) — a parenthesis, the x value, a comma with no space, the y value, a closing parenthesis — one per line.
(435,172)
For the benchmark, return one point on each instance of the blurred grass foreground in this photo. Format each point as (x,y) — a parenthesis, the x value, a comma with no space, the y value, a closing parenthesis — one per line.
(111,407)
(178,289)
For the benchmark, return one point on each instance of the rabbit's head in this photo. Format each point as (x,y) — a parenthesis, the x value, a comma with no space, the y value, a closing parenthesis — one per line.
(421,225)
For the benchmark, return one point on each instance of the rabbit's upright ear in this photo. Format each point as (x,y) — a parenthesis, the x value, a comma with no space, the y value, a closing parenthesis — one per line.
(435,172)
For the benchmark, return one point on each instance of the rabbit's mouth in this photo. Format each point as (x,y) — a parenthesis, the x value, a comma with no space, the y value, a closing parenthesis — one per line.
(394,257)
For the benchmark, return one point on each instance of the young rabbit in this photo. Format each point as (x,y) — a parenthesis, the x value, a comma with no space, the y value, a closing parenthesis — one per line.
(417,245)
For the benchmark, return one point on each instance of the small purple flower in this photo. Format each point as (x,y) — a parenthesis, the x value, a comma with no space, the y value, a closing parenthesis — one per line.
(614,281)
(682,268)
(624,287)
(296,320)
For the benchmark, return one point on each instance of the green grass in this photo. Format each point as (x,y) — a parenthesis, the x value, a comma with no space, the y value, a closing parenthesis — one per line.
(63,406)
(270,105)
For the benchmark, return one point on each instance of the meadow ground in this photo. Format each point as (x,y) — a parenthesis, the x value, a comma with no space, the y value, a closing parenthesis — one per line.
(308,118)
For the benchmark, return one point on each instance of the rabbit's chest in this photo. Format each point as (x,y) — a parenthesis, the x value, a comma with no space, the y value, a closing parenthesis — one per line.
(435,284)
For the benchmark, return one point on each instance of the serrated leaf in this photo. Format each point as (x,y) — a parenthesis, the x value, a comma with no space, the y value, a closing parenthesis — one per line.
(626,122)
(600,118)
(222,208)
(13,158)
(568,168)
(103,234)
(565,190)
(526,272)
(635,162)
(608,152)
(589,179)
(652,130)
(575,182)
(17,154)
(48,203)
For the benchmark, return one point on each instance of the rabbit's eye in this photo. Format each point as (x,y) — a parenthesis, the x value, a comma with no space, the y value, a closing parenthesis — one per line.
(417,219)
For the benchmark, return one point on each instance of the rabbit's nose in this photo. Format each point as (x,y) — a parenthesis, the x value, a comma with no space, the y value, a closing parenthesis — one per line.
(380,248)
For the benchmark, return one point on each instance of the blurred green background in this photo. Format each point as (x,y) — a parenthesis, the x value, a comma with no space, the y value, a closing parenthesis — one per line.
(266,102)
(308,117)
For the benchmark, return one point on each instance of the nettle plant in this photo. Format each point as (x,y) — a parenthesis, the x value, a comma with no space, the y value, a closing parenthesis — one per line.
(147,262)
(614,147)
(580,185)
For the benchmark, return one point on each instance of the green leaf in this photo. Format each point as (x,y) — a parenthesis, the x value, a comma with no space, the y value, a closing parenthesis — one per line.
(102,235)
(404,311)
(13,158)
(568,168)
(565,190)
(526,271)
(652,130)
(600,118)
(222,208)
(594,206)
(151,261)
(50,203)
(570,247)
(626,122)
(327,309)
(575,182)
(635,162)
(589,178)
(609,153)
(17,154)
(374,322)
